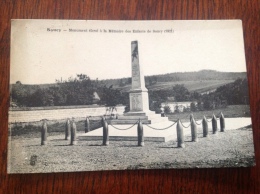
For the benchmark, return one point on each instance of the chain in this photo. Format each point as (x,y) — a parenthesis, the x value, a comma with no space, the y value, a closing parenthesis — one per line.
(125,128)
(162,128)
(208,120)
(198,123)
(183,125)
(197,120)
(217,115)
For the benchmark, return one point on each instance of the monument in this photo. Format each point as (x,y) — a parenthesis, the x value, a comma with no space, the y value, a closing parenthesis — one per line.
(138,95)
(139,109)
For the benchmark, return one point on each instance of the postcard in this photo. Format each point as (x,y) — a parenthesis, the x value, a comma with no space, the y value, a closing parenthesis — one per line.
(90,95)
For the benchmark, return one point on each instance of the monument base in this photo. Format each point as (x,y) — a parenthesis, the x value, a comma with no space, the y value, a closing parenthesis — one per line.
(131,134)
(131,117)
(152,135)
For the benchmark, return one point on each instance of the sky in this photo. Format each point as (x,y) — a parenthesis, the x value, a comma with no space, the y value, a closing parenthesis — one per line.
(45,50)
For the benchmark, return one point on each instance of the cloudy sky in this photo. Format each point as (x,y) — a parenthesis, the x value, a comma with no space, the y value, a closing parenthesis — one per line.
(45,50)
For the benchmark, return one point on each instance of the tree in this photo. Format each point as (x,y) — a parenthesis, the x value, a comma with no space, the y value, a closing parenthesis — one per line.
(193,107)
(180,92)
(167,109)
(112,97)
(76,91)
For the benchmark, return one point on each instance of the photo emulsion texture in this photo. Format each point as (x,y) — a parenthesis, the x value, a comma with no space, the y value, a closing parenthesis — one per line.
(124,95)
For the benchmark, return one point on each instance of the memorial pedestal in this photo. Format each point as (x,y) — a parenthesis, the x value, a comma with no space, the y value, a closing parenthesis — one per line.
(133,117)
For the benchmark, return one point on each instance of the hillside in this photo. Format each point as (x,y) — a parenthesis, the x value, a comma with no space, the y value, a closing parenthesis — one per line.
(201,81)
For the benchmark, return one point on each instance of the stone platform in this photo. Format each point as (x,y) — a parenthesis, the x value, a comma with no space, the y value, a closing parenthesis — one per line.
(131,134)
(146,118)
(157,135)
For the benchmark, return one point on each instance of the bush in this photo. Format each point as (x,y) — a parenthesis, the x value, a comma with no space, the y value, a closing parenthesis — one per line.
(167,109)
(193,107)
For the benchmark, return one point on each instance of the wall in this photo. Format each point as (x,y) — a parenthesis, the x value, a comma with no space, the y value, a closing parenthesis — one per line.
(53,114)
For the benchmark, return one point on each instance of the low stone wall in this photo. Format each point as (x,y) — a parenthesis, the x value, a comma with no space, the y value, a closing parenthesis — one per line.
(53,114)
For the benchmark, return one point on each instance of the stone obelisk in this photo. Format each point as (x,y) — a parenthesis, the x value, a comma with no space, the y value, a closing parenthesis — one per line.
(138,95)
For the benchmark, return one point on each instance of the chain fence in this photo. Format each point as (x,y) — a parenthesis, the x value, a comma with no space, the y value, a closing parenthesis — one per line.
(198,123)
(124,128)
(184,125)
(174,122)
(161,128)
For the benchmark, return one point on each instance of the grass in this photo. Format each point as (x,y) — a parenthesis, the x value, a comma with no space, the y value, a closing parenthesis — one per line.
(33,129)
(228,112)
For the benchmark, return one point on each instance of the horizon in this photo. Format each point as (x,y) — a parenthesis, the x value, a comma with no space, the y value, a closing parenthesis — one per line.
(129,76)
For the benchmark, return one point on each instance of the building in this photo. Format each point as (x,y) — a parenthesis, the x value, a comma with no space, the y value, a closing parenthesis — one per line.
(177,106)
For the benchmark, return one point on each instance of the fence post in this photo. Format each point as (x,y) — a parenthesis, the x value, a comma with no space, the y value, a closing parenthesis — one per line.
(67,129)
(205,127)
(214,124)
(87,125)
(105,133)
(103,121)
(222,122)
(191,117)
(44,133)
(194,135)
(180,138)
(140,133)
(73,135)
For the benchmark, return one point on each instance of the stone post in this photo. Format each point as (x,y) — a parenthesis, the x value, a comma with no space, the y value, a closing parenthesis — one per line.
(105,133)
(205,127)
(44,133)
(194,135)
(103,121)
(214,125)
(87,125)
(180,137)
(67,129)
(73,135)
(140,133)
(222,122)
(191,117)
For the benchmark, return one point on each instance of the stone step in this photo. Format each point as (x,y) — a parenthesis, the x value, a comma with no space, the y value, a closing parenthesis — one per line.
(125,122)
(146,113)
(149,115)
(132,121)
(121,117)
(136,117)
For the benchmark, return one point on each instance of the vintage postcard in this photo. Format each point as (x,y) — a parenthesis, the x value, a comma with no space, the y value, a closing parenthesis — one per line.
(122,95)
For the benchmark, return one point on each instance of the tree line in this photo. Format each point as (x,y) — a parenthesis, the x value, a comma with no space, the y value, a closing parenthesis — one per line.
(81,89)
(74,91)
(235,93)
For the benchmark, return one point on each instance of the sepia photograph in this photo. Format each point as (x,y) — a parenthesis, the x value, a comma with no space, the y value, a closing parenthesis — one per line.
(92,95)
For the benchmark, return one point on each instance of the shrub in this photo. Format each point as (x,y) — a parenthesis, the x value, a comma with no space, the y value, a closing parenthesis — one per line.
(167,109)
